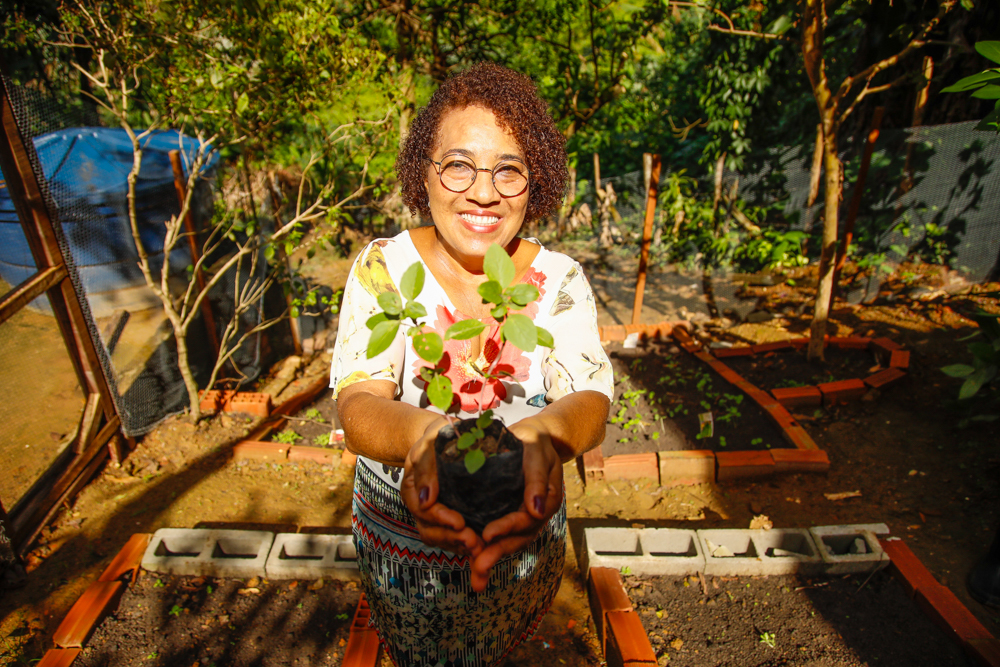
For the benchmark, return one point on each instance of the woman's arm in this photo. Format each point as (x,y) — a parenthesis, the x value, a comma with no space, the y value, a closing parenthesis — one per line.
(575,423)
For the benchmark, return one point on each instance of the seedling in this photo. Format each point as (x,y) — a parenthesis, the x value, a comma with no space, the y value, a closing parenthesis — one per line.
(515,328)
(767,638)
(287,437)
(176,610)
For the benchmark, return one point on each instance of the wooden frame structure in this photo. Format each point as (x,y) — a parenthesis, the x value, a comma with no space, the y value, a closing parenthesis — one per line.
(99,434)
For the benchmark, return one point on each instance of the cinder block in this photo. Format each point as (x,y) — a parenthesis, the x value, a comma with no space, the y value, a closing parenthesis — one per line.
(207,552)
(739,465)
(947,611)
(771,347)
(842,391)
(298,556)
(99,600)
(906,566)
(59,657)
(726,352)
(647,551)
(632,466)
(791,397)
(877,528)
(800,460)
(628,645)
(128,559)
(260,451)
(899,359)
(846,550)
(322,455)
(786,551)
(606,594)
(884,377)
(729,552)
(686,467)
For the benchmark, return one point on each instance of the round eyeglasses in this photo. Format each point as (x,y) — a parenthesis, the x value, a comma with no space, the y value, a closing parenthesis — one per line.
(458,173)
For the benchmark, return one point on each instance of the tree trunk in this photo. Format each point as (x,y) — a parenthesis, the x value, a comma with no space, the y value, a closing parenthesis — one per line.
(817,167)
(719,166)
(824,290)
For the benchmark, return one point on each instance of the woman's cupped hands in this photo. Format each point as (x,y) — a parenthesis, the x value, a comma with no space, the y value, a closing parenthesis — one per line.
(444,528)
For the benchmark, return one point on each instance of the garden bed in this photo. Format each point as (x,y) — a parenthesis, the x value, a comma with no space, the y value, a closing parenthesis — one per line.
(791,368)
(170,620)
(660,391)
(845,621)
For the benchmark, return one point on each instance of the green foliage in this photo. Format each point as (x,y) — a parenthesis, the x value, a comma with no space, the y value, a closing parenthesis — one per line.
(985,85)
(772,249)
(985,357)
(287,437)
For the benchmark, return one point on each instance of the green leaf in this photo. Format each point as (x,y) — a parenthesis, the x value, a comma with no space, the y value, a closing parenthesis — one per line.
(982,351)
(545,338)
(989,50)
(390,303)
(483,421)
(474,460)
(294,312)
(491,292)
(414,310)
(974,81)
(988,92)
(520,330)
(413,281)
(499,312)
(991,123)
(242,102)
(464,329)
(382,336)
(465,441)
(780,26)
(972,384)
(439,393)
(477,433)
(522,293)
(498,265)
(375,319)
(958,370)
(428,346)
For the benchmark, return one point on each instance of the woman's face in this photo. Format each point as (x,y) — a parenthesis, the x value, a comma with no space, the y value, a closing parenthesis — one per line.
(468,222)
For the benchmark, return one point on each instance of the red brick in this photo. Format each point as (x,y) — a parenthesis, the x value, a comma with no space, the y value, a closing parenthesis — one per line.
(593,460)
(883,347)
(635,328)
(664,329)
(607,595)
(686,467)
(627,643)
(725,352)
(632,466)
(614,332)
(250,403)
(799,438)
(761,398)
(128,559)
(100,599)
(682,335)
(899,359)
(737,465)
(850,342)
(984,652)
(907,567)
(349,458)
(727,373)
(842,391)
(771,347)
(59,657)
(210,400)
(791,397)
(800,460)
(799,343)
(947,611)
(260,451)
(323,455)
(884,377)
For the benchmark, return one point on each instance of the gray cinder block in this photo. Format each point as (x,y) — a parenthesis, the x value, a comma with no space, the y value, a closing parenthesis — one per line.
(648,551)
(729,552)
(207,552)
(297,556)
(786,551)
(848,549)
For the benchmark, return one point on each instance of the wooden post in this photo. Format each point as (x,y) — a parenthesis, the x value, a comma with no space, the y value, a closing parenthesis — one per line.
(192,236)
(597,173)
(859,188)
(647,235)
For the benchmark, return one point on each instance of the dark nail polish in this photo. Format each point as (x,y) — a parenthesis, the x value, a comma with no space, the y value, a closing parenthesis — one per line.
(425,493)
(540,504)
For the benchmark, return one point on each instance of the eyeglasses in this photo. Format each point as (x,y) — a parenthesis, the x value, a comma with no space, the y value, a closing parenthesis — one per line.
(458,173)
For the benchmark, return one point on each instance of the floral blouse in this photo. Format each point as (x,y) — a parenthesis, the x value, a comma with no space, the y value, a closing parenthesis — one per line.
(565,308)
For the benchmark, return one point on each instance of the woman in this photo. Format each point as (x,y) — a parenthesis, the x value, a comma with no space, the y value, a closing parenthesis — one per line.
(480,159)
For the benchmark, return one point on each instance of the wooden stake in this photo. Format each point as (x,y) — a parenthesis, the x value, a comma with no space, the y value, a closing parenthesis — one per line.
(859,189)
(647,236)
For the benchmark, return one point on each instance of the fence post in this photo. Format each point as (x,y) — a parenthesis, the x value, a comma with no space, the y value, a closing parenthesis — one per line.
(647,235)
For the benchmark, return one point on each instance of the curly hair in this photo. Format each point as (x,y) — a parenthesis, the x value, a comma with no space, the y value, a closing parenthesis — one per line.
(514,100)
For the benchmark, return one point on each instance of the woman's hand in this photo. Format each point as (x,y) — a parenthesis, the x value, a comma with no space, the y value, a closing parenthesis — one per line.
(439,525)
(543,485)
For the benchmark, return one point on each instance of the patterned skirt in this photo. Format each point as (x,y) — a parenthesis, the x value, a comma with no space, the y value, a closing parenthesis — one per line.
(422,602)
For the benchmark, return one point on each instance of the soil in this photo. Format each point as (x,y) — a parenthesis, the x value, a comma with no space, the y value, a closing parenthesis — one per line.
(168,620)
(791,368)
(935,484)
(660,391)
(852,621)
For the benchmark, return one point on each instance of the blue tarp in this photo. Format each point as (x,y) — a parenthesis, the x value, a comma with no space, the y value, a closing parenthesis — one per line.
(87,170)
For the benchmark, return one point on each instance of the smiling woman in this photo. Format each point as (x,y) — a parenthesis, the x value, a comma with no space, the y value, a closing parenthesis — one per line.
(481,159)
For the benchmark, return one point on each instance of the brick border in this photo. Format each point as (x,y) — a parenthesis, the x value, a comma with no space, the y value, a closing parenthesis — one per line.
(227,400)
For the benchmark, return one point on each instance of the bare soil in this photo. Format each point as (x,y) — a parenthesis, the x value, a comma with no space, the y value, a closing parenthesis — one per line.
(936,485)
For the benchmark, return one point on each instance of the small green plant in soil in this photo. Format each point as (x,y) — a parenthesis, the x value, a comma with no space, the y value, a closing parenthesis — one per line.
(515,328)
(985,361)
(767,638)
(287,437)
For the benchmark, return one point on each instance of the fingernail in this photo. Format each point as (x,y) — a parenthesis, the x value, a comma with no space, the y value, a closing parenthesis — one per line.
(425,493)
(540,504)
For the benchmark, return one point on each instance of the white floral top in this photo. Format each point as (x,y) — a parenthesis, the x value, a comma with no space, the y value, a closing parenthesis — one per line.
(565,308)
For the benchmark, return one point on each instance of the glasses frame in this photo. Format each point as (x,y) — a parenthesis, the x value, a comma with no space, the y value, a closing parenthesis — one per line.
(492,172)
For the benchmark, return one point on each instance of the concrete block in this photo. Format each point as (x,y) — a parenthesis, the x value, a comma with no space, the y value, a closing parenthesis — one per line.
(845,549)
(729,552)
(877,528)
(207,552)
(298,556)
(686,467)
(646,551)
(786,551)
